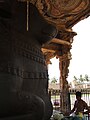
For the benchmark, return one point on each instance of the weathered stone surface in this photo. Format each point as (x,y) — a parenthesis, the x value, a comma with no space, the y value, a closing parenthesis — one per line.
(23,71)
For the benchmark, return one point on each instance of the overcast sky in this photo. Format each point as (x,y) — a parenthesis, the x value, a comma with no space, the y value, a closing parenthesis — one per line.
(80,62)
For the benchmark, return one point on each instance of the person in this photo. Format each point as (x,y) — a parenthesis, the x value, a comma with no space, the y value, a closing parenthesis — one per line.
(79,106)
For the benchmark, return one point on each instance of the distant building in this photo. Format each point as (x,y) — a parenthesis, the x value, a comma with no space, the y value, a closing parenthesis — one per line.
(76,85)
(54,86)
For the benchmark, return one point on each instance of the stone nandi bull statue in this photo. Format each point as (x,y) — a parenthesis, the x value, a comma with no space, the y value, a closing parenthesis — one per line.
(23,72)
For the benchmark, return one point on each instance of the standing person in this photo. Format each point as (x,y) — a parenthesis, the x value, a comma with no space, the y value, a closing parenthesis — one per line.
(79,106)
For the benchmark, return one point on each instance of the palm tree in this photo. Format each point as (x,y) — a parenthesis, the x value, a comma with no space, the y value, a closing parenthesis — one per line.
(54,80)
(81,79)
(86,78)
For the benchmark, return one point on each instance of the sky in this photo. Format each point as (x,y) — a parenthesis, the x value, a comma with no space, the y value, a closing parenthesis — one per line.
(80,62)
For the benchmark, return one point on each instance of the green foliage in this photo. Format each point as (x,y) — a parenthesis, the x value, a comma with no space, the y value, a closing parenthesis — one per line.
(75,78)
(53,80)
(86,78)
(82,79)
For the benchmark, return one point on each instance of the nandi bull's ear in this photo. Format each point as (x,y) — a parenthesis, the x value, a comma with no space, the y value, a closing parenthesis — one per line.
(48,33)
(40,28)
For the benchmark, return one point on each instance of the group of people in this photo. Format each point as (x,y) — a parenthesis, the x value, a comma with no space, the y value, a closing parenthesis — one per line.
(79,107)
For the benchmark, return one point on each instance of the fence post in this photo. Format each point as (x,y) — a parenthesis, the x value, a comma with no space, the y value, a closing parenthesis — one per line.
(69,101)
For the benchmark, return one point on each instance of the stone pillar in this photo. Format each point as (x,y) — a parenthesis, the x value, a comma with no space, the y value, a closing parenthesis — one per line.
(64,87)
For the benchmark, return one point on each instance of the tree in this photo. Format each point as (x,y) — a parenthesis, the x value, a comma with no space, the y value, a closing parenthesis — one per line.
(76,81)
(81,79)
(53,80)
(75,78)
(86,78)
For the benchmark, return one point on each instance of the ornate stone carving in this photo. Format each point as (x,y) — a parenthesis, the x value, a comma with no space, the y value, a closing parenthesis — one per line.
(23,71)
(63,11)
